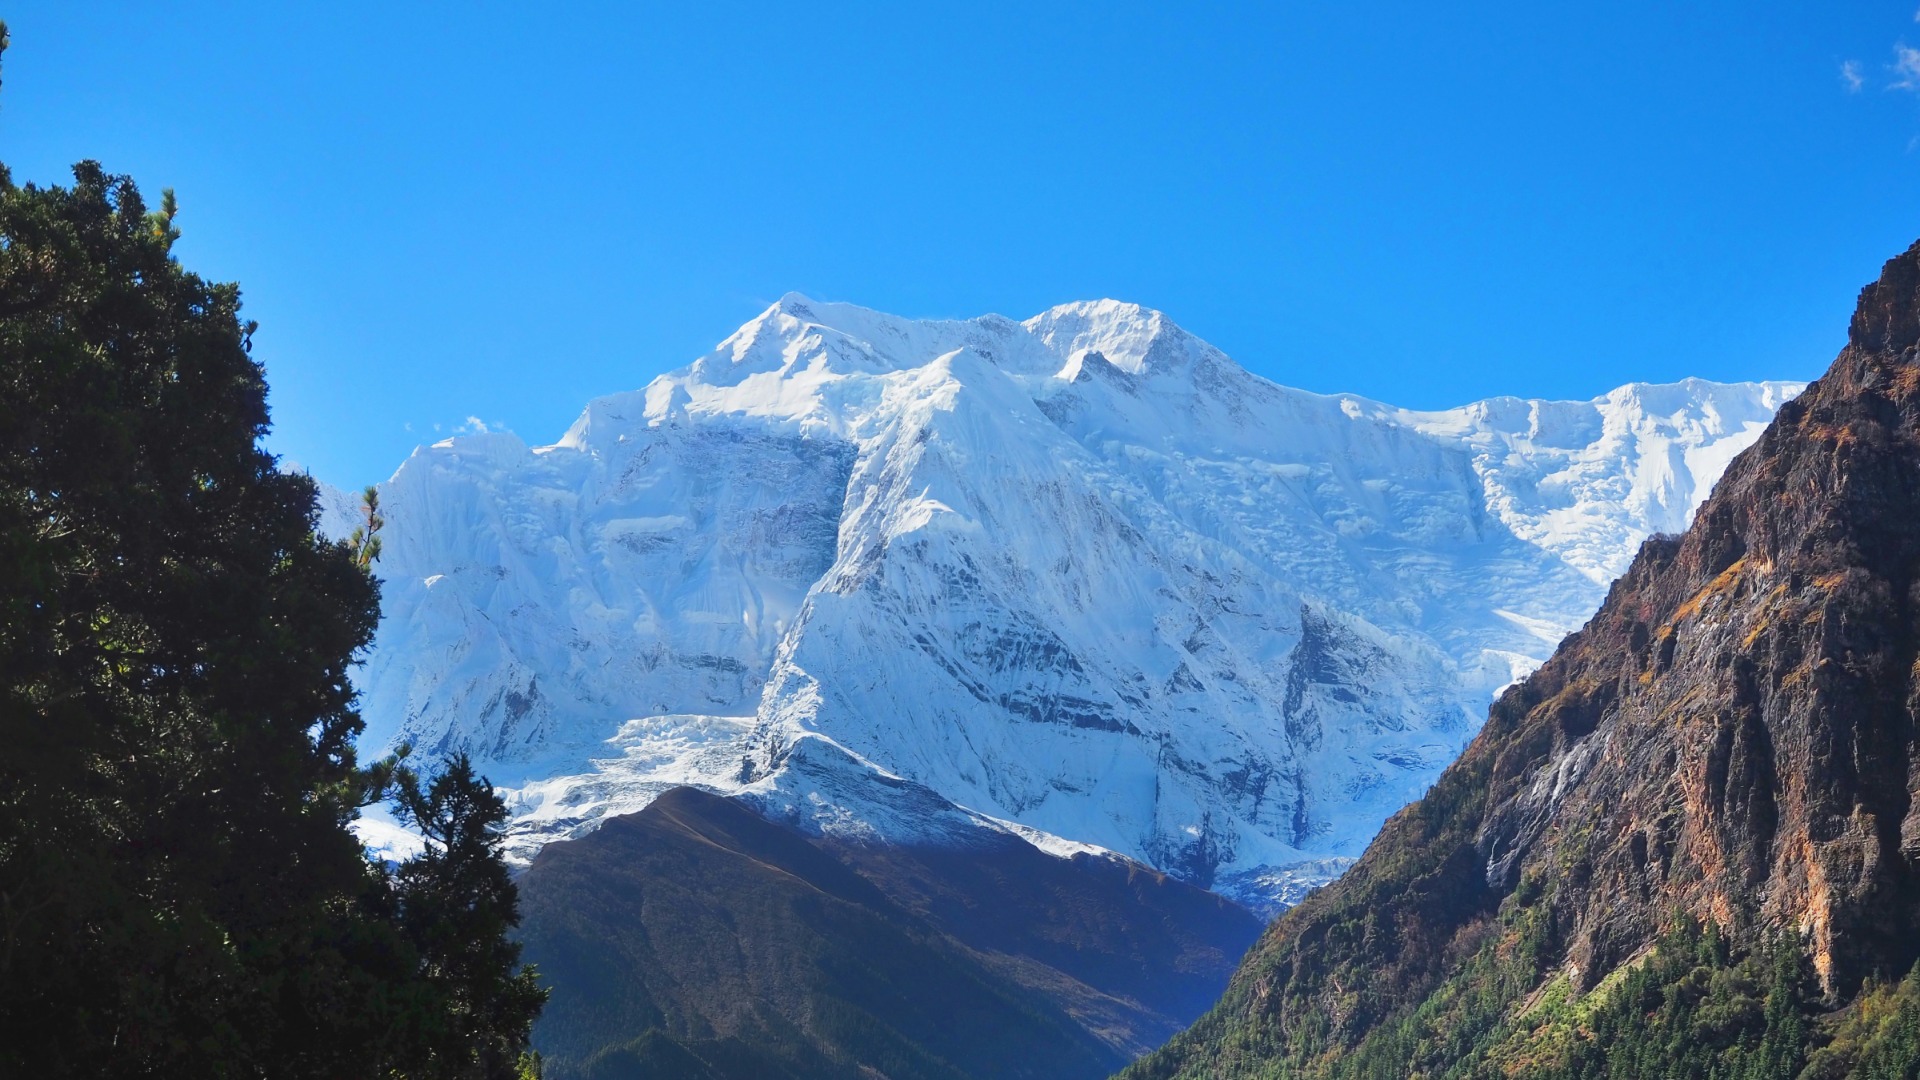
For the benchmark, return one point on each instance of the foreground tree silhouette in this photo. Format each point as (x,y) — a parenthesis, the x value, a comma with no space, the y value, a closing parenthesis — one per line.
(457,905)
(179,889)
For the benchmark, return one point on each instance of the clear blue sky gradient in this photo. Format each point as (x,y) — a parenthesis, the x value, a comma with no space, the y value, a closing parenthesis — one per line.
(443,211)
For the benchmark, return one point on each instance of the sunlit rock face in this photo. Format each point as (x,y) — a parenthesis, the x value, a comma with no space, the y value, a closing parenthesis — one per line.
(1731,742)
(1082,574)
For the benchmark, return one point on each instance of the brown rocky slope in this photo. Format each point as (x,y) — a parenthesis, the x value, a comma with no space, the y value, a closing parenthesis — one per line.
(1731,741)
(696,940)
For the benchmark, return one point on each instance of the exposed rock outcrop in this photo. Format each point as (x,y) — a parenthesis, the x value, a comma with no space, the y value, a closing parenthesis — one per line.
(1732,739)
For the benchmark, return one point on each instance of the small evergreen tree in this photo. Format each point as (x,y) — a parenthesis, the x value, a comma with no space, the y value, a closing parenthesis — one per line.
(365,541)
(457,905)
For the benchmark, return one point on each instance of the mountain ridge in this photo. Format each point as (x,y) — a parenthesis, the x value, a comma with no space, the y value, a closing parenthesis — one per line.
(1729,746)
(1083,573)
(697,935)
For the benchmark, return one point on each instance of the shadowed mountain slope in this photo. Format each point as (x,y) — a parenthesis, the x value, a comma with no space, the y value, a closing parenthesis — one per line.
(695,938)
(1686,842)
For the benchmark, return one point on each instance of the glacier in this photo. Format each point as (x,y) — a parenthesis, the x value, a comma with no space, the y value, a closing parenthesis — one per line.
(1081,577)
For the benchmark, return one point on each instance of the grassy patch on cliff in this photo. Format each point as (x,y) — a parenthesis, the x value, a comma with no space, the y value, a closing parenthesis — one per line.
(1693,1006)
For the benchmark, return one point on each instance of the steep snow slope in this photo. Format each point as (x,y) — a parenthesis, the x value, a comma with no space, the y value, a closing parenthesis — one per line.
(1082,573)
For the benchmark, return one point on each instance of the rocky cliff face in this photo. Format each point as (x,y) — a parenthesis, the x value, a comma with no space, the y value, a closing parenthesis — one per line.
(1732,739)
(1751,694)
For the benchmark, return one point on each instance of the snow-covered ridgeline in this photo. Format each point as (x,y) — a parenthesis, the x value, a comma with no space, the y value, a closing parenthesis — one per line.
(1083,574)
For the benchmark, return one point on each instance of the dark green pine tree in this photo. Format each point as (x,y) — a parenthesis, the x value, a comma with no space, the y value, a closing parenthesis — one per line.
(457,905)
(180,893)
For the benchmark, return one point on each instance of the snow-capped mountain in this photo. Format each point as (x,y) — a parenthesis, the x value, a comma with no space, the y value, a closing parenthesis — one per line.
(1082,575)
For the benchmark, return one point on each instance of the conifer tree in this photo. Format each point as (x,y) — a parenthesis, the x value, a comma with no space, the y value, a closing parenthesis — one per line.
(180,891)
(457,905)
(365,541)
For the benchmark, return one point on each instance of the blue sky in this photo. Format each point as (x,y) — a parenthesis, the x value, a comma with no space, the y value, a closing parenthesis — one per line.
(449,211)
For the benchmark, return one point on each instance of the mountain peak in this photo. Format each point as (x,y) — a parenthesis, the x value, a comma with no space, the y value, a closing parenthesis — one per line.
(1012,563)
(796,304)
(1887,317)
(1128,336)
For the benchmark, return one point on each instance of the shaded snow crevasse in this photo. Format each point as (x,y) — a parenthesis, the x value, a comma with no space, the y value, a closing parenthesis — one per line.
(1083,576)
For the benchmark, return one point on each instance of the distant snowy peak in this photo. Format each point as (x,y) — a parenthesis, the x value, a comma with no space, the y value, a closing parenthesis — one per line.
(1081,574)
(1587,480)
(1133,339)
(339,511)
(805,362)
(1583,479)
